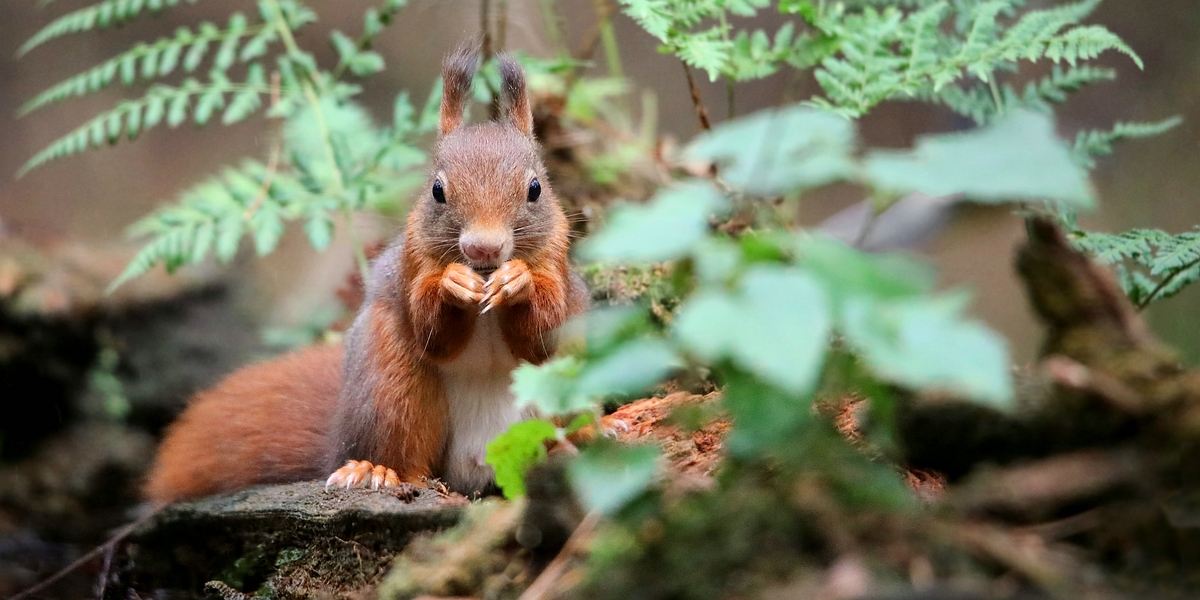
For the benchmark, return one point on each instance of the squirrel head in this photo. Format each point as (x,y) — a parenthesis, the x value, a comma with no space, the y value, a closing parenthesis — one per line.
(487,199)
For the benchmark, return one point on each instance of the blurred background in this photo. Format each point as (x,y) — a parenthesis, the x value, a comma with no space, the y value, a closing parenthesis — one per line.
(67,350)
(93,197)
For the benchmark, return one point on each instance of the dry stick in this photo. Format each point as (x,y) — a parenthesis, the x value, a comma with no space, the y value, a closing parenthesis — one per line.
(554,571)
(485,27)
(588,47)
(701,112)
(86,558)
(264,190)
(102,584)
(272,163)
(501,24)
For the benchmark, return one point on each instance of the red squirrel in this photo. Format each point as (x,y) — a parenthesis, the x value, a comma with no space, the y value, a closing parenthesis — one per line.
(477,284)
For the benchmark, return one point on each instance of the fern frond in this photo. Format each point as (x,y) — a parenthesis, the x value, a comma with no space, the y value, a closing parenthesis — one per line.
(108,13)
(1084,43)
(892,54)
(1090,144)
(213,217)
(1151,264)
(1054,87)
(1176,253)
(161,102)
(150,61)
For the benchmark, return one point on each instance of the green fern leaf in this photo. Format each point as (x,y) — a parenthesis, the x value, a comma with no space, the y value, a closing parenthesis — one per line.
(106,127)
(229,46)
(653,15)
(1083,43)
(157,60)
(1055,87)
(108,13)
(247,101)
(1090,144)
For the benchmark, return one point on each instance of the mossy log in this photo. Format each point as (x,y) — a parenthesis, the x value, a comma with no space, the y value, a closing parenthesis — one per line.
(293,540)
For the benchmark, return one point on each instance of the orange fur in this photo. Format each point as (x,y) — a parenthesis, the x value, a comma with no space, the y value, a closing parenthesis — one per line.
(264,423)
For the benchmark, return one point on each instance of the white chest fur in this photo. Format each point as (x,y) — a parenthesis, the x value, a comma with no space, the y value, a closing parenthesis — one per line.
(481,407)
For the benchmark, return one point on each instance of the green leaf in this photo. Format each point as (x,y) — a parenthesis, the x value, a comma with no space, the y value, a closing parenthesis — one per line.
(666,228)
(513,452)
(1018,158)
(776,324)
(607,477)
(848,272)
(550,386)
(346,48)
(922,344)
(630,369)
(227,53)
(366,63)
(319,230)
(764,416)
(268,228)
(773,152)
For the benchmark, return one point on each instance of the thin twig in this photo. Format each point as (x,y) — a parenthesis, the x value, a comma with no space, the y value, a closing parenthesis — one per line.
(543,585)
(265,189)
(117,538)
(701,112)
(551,21)
(272,163)
(485,30)
(730,99)
(102,583)
(608,39)
(501,24)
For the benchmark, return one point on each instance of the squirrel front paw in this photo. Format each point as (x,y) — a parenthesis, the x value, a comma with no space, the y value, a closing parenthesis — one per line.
(361,473)
(509,284)
(462,286)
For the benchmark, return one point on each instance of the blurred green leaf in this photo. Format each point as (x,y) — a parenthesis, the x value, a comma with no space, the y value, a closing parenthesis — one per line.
(773,152)
(632,368)
(607,477)
(568,385)
(550,386)
(607,326)
(925,344)
(848,272)
(776,324)
(1018,158)
(513,452)
(666,228)
(764,416)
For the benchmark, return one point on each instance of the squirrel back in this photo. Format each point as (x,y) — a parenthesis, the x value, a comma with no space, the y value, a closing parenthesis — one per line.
(478,283)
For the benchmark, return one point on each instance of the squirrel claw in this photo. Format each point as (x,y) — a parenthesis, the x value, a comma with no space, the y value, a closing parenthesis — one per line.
(361,473)
(510,284)
(461,285)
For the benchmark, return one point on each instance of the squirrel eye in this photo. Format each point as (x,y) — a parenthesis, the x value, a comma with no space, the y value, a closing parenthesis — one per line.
(535,190)
(439,194)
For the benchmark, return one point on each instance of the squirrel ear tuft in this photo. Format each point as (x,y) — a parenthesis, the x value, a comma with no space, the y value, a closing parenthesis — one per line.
(457,72)
(514,101)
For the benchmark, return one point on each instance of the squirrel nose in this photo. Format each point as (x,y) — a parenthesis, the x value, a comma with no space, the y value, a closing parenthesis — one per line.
(481,252)
(484,248)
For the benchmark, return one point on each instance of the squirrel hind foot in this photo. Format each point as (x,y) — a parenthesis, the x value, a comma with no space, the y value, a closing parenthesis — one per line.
(362,473)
